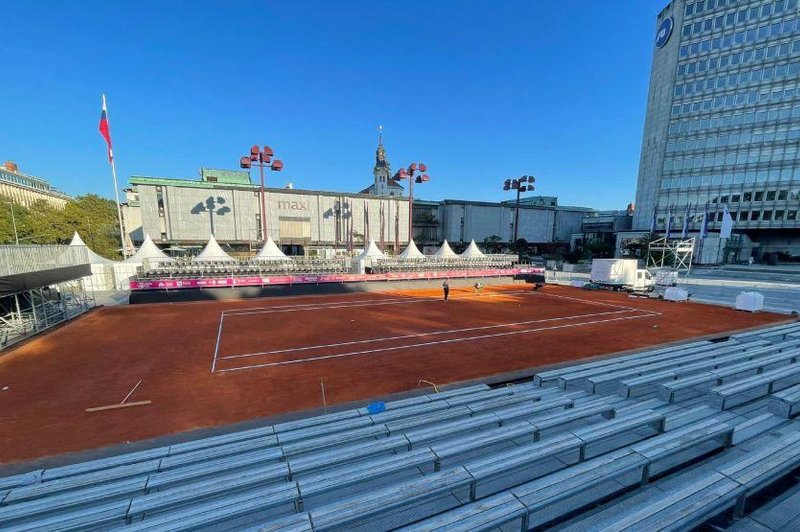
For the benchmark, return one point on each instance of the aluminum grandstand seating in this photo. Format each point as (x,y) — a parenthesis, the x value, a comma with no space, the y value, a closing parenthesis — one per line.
(472,458)
(186,269)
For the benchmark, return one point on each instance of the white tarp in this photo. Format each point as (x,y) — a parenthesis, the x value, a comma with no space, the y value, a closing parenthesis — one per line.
(411,252)
(444,251)
(750,301)
(106,274)
(148,251)
(94,258)
(371,252)
(213,253)
(472,251)
(270,251)
(675,293)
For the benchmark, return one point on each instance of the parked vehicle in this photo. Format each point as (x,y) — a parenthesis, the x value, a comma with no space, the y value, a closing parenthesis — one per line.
(621,274)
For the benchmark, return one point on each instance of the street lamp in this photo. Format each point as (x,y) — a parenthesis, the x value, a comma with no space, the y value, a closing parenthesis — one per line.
(522,184)
(415,174)
(262,158)
(13,221)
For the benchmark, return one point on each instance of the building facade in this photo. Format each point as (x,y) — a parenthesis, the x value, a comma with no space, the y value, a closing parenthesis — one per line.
(462,221)
(722,128)
(26,189)
(185,212)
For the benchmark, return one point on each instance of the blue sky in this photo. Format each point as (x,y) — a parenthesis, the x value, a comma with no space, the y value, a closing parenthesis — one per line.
(480,91)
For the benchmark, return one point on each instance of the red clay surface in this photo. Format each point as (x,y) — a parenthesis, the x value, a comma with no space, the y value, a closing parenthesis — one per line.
(363,345)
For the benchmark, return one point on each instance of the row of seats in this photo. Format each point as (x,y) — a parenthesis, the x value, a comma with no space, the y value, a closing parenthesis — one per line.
(180,270)
(390,265)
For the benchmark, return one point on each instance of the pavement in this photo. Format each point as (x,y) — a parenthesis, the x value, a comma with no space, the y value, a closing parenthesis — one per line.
(780,285)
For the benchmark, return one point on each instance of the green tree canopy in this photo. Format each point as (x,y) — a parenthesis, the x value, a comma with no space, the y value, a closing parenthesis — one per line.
(93,217)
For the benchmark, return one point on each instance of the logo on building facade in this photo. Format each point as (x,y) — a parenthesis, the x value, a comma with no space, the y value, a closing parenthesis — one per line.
(664,32)
(293,205)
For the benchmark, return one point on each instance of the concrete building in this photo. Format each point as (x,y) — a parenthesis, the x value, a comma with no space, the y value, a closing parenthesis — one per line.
(462,221)
(722,129)
(183,212)
(602,226)
(26,189)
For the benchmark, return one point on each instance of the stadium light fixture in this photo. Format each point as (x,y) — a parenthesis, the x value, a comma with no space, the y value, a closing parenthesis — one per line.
(415,173)
(262,158)
(520,185)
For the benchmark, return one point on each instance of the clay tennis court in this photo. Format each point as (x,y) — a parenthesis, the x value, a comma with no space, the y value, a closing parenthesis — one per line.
(216,363)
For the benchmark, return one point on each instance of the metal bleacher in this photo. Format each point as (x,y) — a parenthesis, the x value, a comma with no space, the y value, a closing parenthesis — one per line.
(595,446)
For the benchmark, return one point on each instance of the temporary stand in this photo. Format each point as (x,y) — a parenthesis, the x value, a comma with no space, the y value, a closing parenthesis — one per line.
(673,254)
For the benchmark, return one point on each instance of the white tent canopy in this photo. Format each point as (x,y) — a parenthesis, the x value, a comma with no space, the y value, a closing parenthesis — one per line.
(271,251)
(411,252)
(472,251)
(444,251)
(371,252)
(148,251)
(213,253)
(94,258)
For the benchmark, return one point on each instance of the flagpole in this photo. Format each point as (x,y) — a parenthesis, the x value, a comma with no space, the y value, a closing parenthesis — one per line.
(119,209)
(116,191)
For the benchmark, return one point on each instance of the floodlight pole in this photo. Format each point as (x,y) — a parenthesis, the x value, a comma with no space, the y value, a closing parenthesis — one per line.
(516,219)
(262,158)
(522,184)
(410,173)
(410,206)
(263,197)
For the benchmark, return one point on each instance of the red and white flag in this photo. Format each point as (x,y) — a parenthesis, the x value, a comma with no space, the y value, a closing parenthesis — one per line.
(105,130)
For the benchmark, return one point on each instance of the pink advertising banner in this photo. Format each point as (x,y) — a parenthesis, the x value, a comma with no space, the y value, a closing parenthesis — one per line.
(230,282)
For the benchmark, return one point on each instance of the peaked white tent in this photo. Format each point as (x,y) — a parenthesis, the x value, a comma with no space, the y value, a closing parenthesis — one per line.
(472,251)
(444,251)
(106,274)
(94,258)
(271,251)
(213,253)
(411,252)
(148,251)
(371,252)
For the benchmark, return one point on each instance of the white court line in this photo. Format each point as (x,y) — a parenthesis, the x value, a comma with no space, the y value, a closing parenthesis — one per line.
(437,342)
(420,335)
(334,305)
(216,349)
(359,303)
(591,302)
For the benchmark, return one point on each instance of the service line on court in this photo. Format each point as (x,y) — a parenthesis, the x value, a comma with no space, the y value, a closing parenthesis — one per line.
(421,335)
(644,314)
(360,303)
(335,305)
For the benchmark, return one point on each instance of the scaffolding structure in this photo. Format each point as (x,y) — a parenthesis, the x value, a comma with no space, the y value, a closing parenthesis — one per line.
(40,286)
(672,254)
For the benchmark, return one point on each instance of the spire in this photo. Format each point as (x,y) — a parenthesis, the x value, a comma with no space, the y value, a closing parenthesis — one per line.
(380,153)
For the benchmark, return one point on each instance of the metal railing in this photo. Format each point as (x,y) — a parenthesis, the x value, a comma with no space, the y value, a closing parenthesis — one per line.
(15,260)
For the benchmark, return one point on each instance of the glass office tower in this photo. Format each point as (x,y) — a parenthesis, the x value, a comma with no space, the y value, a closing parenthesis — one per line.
(722,128)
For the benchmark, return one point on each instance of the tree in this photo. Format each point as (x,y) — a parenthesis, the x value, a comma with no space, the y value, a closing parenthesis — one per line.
(93,217)
(492,243)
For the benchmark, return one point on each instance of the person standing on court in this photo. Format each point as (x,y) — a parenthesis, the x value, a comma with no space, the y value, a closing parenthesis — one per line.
(446,288)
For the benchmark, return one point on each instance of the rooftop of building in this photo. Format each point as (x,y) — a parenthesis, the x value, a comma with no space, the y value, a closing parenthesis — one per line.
(10,173)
